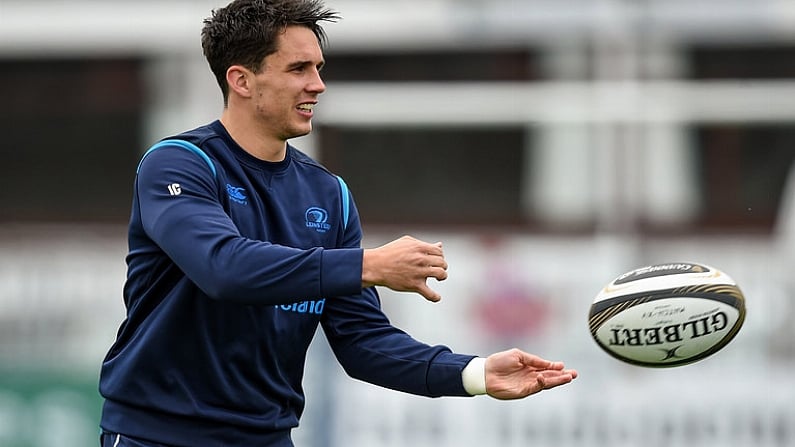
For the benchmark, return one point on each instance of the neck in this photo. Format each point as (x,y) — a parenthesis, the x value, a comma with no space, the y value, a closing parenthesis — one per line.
(248,136)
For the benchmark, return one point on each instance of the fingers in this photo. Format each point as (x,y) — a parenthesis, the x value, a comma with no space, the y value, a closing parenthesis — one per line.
(434,266)
(435,249)
(438,272)
(432,255)
(429,294)
(548,379)
(515,374)
(538,363)
(404,265)
(551,379)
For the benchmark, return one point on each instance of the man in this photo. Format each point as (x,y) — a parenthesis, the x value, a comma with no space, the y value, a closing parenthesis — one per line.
(240,245)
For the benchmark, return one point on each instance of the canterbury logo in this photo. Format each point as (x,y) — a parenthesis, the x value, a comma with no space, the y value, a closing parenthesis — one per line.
(236,194)
(174,189)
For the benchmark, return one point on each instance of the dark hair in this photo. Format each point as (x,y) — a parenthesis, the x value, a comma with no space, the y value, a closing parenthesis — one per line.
(244,32)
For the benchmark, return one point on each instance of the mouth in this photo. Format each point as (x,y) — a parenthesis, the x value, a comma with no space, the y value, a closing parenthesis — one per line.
(306,108)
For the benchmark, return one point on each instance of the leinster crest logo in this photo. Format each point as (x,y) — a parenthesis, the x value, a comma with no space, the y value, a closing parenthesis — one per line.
(317,218)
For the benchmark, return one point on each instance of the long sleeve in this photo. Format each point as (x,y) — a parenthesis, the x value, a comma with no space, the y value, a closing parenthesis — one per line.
(189,223)
(371,349)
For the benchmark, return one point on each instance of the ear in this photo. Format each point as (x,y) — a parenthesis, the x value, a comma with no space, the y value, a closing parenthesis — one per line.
(238,78)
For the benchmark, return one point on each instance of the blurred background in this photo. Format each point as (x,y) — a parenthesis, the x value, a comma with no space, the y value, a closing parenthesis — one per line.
(551,145)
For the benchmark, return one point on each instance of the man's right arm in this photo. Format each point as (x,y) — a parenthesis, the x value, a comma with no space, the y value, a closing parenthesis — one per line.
(190,225)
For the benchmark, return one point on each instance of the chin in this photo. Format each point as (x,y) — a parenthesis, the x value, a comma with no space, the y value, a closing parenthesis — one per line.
(300,132)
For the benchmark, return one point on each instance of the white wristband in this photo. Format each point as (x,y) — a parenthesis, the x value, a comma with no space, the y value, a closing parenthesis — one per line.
(474,376)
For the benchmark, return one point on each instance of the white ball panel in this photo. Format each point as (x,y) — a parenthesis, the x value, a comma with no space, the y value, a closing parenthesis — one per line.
(668,330)
(612,290)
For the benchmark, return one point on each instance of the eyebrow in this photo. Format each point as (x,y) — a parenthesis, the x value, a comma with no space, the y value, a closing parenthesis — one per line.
(298,64)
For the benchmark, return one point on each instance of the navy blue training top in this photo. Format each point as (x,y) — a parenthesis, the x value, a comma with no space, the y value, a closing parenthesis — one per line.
(233,262)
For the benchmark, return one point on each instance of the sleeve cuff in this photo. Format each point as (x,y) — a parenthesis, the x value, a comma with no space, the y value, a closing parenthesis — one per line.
(474,376)
(341,272)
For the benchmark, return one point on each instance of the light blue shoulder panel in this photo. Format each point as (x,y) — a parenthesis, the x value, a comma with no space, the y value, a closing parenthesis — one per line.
(185,145)
(346,202)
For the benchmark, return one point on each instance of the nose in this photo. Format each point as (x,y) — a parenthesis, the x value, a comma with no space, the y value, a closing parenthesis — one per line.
(316,84)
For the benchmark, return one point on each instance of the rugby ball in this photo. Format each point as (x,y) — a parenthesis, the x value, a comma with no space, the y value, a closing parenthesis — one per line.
(667,315)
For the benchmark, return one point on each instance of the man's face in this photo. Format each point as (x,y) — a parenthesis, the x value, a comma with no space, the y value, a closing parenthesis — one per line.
(288,84)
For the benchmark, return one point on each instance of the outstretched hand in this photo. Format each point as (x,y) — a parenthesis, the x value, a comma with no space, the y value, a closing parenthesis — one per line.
(404,265)
(515,374)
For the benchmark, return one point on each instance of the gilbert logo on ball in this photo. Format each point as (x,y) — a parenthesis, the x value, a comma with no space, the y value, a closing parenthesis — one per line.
(667,314)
